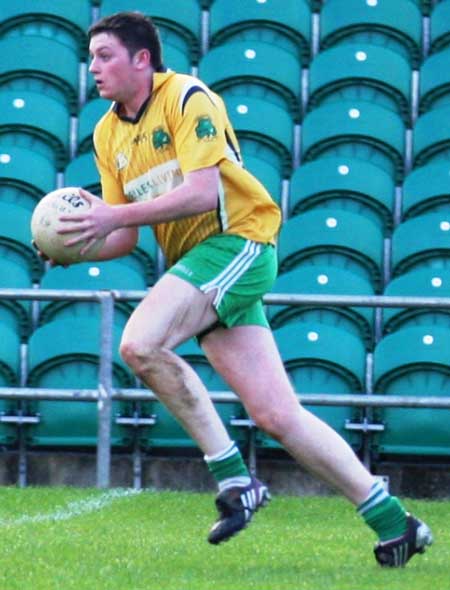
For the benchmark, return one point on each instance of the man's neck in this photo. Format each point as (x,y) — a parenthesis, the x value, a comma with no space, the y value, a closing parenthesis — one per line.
(131,108)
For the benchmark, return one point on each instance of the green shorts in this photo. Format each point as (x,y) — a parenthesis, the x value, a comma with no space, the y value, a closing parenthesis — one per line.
(240,271)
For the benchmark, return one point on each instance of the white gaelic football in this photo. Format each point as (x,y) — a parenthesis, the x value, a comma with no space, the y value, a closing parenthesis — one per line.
(45,223)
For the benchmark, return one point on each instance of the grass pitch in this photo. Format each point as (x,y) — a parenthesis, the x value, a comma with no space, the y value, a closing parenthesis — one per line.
(87,539)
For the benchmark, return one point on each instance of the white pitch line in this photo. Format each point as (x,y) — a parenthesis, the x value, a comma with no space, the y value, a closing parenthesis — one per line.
(73,509)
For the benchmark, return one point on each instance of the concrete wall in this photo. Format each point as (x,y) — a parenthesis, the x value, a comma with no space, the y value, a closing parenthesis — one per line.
(190,474)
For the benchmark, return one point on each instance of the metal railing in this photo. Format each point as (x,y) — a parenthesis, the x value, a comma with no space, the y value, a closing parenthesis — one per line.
(105,393)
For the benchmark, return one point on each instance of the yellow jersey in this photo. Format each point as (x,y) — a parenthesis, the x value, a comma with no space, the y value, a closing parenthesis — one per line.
(182,127)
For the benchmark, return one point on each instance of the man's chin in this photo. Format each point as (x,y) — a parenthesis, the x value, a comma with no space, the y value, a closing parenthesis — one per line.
(105,94)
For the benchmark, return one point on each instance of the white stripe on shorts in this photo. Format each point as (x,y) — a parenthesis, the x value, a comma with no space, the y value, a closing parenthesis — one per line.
(233,272)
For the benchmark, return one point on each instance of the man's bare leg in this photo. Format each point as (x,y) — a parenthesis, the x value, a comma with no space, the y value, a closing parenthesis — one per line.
(171,313)
(248,359)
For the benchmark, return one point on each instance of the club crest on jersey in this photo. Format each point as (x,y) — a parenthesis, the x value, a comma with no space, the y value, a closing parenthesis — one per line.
(160,138)
(205,129)
(121,161)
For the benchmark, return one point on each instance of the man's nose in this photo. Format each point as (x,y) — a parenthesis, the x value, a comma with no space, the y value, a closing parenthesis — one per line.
(93,67)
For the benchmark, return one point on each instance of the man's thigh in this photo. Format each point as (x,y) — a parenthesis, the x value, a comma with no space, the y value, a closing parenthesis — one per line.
(172,312)
(248,359)
(238,271)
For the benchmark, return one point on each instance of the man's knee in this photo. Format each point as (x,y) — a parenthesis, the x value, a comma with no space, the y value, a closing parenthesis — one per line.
(163,371)
(138,357)
(272,421)
(152,362)
(280,419)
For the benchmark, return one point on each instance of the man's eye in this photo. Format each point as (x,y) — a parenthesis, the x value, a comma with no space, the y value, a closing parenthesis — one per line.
(101,56)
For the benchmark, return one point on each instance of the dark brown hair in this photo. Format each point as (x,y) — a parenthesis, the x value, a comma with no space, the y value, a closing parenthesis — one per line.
(135,31)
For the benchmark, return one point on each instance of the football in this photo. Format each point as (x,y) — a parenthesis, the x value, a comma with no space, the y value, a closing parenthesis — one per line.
(45,223)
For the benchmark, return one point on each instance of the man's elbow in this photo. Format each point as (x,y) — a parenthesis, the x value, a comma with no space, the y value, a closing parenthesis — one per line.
(204,185)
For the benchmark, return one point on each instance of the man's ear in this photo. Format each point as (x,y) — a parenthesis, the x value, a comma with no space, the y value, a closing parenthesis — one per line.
(142,58)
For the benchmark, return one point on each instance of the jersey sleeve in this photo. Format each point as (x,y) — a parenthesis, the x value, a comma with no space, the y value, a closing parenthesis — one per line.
(199,132)
(112,192)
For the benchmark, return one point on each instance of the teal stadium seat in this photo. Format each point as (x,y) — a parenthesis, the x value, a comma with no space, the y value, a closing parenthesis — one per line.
(15,235)
(14,274)
(265,171)
(178,21)
(24,175)
(105,275)
(89,116)
(439,26)
(334,237)
(361,71)
(343,183)
(43,121)
(434,88)
(324,280)
(145,254)
(324,359)
(64,354)
(431,136)
(9,356)
(79,310)
(246,112)
(42,65)
(82,171)
(313,346)
(9,377)
(111,275)
(176,59)
(245,67)
(67,23)
(423,241)
(15,314)
(422,282)
(14,271)
(355,128)
(425,190)
(243,20)
(413,361)
(264,158)
(395,25)
(167,432)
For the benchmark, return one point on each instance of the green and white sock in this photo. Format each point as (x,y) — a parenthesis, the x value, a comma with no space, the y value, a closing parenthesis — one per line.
(228,468)
(383,513)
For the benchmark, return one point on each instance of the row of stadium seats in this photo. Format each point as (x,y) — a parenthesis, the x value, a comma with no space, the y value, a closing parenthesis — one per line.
(44,28)
(343,152)
(319,357)
(290,27)
(347,129)
(337,238)
(365,211)
(371,71)
(321,269)
(360,104)
(358,58)
(339,213)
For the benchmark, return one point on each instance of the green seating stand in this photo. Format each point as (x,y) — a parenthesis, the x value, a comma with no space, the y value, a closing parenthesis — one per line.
(413,361)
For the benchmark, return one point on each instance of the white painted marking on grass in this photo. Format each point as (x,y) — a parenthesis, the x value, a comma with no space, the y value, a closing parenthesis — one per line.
(73,509)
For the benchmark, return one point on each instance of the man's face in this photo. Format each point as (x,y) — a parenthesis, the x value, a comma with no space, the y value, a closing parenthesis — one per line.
(111,67)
